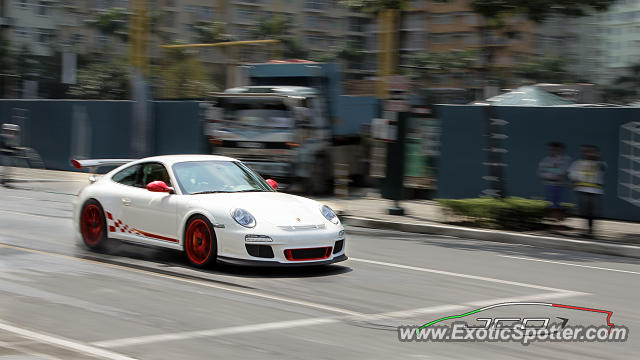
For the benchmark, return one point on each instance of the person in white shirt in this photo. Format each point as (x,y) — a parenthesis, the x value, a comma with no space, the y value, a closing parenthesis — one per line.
(587,175)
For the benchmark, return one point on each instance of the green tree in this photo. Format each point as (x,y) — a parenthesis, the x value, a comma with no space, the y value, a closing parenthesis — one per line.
(427,66)
(537,10)
(624,88)
(279,28)
(374,6)
(112,22)
(632,79)
(102,80)
(184,77)
(207,32)
(549,69)
(352,55)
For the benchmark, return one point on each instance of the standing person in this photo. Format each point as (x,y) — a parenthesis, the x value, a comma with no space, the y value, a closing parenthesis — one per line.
(553,172)
(587,175)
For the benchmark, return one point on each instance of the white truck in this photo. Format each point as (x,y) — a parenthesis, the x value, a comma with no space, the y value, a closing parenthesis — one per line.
(282,132)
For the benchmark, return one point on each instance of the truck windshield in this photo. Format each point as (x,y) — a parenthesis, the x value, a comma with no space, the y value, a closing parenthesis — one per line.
(261,113)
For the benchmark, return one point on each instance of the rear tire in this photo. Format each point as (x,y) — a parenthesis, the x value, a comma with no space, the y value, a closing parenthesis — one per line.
(200,245)
(93,225)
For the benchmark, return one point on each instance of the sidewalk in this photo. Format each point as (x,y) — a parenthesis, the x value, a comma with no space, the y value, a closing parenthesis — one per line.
(423,216)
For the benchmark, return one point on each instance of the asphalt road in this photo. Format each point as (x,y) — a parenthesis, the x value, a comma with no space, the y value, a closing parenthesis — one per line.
(61,301)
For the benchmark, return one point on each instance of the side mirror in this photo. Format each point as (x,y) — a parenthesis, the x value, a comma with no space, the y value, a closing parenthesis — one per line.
(272,183)
(159,186)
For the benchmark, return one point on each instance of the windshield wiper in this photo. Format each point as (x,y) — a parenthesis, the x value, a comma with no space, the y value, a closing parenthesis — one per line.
(250,190)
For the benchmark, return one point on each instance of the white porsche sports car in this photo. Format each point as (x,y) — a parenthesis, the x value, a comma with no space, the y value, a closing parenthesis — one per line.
(213,208)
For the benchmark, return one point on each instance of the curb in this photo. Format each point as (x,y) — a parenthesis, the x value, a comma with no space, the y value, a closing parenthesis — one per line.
(500,236)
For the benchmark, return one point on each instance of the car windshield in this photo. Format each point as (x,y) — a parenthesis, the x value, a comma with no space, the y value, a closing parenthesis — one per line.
(217,176)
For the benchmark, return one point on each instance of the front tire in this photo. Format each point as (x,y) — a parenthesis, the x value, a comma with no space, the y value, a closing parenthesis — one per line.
(93,225)
(200,244)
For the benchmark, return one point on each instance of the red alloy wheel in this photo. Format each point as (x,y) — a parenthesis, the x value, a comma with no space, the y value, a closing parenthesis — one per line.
(198,242)
(92,224)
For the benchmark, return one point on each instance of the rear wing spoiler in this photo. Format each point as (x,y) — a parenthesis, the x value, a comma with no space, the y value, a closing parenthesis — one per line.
(92,164)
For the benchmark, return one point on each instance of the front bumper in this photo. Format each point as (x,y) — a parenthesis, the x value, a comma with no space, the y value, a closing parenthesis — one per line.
(272,263)
(232,244)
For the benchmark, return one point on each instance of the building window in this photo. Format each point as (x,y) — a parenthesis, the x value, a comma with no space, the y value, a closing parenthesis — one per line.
(317,42)
(21,31)
(440,38)
(101,40)
(42,8)
(356,24)
(169,19)
(314,4)
(76,39)
(244,15)
(413,21)
(199,13)
(441,19)
(44,36)
(22,3)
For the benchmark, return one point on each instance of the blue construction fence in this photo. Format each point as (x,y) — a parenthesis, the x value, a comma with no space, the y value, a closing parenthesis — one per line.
(62,129)
(463,171)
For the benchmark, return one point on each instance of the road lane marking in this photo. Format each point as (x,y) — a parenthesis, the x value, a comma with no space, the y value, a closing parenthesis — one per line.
(64,343)
(289,324)
(304,303)
(466,276)
(570,264)
(21,349)
(546,296)
(215,332)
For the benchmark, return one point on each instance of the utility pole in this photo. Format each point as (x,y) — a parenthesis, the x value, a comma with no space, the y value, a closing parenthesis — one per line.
(141,120)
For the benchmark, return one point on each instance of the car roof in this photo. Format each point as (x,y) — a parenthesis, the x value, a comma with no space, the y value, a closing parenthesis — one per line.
(173,159)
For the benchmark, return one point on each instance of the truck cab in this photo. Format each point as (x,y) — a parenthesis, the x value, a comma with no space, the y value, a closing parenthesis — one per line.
(276,130)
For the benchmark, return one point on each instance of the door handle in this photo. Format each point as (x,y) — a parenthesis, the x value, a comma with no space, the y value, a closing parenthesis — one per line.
(126,202)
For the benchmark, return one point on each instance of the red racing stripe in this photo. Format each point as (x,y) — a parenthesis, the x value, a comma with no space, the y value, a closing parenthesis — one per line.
(159,237)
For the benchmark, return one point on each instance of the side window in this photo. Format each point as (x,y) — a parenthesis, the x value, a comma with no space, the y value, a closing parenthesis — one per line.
(128,176)
(154,172)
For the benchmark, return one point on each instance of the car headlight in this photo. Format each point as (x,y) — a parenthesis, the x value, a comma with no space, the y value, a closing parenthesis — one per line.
(329,214)
(243,217)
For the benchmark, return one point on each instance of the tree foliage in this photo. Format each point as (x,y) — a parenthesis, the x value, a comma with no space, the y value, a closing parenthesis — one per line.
(112,22)
(426,66)
(549,69)
(537,10)
(207,32)
(184,76)
(632,79)
(374,6)
(279,28)
(102,80)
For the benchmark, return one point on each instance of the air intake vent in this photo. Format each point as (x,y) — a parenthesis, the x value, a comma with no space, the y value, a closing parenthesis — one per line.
(338,247)
(262,251)
(307,254)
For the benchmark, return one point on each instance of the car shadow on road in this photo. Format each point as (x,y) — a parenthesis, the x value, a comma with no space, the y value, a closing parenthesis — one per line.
(165,258)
